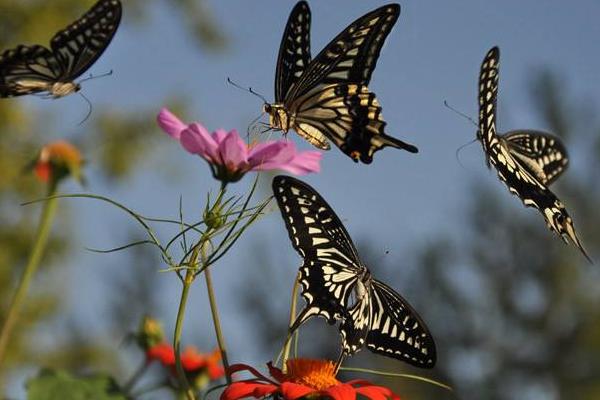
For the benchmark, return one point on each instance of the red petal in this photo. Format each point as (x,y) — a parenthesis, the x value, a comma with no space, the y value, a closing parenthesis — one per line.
(239,390)
(377,392)
(293,391)
(341,392)
(243,367)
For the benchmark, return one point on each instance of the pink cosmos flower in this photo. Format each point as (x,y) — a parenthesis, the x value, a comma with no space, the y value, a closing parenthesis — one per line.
(230,157)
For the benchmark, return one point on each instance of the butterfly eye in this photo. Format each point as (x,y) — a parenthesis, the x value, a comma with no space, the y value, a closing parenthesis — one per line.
(267,108)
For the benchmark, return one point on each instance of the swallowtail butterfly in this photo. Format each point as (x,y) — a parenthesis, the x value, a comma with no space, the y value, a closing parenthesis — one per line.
(338,286)
(327,98)
(526,161)
(37,69)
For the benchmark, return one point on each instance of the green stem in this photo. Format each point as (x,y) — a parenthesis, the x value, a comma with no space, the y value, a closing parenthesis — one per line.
(215,314)
(286,348)
(35,257)
(187,282)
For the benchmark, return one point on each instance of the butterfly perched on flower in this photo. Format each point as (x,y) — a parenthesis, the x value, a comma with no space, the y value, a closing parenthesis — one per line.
(36,69)
(338,286)
(327,98)
(527,161)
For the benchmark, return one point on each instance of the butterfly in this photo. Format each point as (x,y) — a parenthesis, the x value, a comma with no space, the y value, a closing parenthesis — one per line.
(337,286)
(327,98)
(36,69)
(527,161)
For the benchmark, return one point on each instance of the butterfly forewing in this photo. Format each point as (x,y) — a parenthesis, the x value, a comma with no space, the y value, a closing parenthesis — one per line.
(294,51)
(396,330)
(516,158)
(544,155)
(330,261)
(80,44)
(352,55)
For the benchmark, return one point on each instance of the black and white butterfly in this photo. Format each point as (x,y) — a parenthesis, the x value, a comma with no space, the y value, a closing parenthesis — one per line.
(527,161)
(36,69)
(338,286)
(327,98)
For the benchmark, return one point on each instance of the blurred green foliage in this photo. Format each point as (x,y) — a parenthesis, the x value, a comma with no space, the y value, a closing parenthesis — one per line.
(119,138)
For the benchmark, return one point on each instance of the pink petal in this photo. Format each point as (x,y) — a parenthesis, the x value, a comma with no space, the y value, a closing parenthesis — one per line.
(197,140)
(304,163)
(233,151)
(169,123)
(271,155)
(219,135)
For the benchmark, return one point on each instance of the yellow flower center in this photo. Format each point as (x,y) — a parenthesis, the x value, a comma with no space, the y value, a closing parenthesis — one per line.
(317,374)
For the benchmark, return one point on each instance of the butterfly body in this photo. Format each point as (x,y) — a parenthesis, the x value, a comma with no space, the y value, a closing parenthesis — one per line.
(527,161)
(326,99)
(337,285)
(36,69)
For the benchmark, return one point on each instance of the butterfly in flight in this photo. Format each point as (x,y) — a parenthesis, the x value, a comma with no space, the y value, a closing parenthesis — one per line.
(36,69)
(337,286)
(527,161)
(327,98)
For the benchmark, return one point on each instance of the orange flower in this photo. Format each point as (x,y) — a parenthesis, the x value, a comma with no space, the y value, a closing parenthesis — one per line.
(303,377)
(58,160)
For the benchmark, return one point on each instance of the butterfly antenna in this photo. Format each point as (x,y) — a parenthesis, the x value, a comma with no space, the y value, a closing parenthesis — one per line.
(96,76)
(460,113)
(460,148)
(260,96)
(89,103)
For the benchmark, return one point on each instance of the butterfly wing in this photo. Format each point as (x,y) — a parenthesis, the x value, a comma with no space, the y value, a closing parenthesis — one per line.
(350,116)
(352,55)
(397,330)
(511,170)
(543,155)
(27,70)
(331,266)
(80,44)
(294,51)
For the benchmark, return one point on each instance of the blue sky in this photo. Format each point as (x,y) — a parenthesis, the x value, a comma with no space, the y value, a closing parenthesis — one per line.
(433,54)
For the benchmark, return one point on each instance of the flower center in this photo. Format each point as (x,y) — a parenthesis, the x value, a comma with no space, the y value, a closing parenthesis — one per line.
(317,374)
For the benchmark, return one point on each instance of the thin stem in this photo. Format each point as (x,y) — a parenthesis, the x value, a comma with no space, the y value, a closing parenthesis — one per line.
(286,348)
(215,313)
(35,257)
(187,282)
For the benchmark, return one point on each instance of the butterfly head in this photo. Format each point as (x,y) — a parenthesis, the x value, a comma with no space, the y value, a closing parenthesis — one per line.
(278,116)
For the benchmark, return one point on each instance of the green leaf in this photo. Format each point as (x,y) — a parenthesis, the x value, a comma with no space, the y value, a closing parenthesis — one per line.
(54,385)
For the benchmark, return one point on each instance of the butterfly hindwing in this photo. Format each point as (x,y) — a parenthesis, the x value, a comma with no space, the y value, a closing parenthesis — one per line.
(27,69)
(515,157)
(397,330)
(544,155)
(337,286)
(294,51)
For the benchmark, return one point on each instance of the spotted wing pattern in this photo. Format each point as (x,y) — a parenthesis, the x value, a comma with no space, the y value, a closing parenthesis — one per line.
(33,69)
(544,155)
(516,173)
(330,99)
(294,51)
(338,287)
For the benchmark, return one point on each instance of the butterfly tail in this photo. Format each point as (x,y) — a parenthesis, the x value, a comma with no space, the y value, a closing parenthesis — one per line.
(569,231)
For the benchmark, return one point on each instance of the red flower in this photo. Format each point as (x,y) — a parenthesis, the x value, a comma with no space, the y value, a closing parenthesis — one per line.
(303,377)
(162,352)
